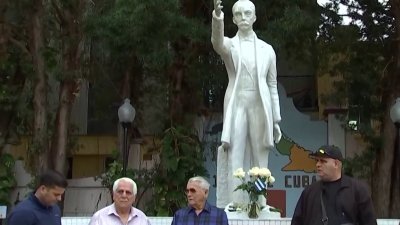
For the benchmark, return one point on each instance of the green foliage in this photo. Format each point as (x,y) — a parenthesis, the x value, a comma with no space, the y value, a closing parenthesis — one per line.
(127,29)
(360,54)
(114,171)
(251,189)
(290,27)
(14,71)
(360,165)
(8,92)
(138,37)
(7,178)
(181,157)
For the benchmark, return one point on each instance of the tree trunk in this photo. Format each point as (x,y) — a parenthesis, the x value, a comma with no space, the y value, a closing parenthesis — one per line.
(385,179)
(176,73)
(394,210)
(71,24)
(181,100)
(5,119)
(40,146)
(3,31)
(68,90)
(382,179)
(385,182)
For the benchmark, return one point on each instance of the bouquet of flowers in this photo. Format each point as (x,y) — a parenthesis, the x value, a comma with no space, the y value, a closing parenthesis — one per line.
(259,178)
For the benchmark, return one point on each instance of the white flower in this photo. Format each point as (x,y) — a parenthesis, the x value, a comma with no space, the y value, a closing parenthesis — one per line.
(248,183)
(255,171)
(239,173)
(271,179)
(264,172)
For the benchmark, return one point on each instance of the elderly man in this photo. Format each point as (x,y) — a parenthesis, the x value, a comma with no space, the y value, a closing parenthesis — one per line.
(40,208)
(199,211)
(121,211)
(251,104)
(335,199)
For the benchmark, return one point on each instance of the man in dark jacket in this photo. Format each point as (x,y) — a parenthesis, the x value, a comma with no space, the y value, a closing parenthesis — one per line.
(40,208)
(345,200)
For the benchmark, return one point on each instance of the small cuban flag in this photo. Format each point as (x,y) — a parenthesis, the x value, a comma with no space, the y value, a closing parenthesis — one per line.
(260,185)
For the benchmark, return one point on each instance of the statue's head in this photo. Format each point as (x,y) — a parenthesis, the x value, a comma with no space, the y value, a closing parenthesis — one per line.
(244,14)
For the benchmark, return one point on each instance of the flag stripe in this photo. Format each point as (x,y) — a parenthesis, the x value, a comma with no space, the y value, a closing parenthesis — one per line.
(260,185)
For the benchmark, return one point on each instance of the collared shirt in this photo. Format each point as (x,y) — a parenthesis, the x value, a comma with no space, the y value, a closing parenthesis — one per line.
(248,52)
(32,212)
(210,215)
(249,38)
(109,216)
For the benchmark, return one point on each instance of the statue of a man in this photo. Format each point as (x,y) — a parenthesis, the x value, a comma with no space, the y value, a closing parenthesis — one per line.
(251,103)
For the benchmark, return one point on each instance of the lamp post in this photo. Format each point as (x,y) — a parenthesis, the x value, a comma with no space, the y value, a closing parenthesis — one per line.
(126,115)
(395,116)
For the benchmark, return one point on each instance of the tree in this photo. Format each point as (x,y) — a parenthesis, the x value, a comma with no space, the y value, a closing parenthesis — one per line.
(366,57)
(70,17)
(15,67)
(35,30)
(40,140)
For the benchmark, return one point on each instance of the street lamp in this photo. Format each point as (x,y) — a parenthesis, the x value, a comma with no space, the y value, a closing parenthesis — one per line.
(395,116)
(126,115)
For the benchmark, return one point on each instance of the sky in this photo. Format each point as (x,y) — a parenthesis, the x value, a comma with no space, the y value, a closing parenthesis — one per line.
(342,10)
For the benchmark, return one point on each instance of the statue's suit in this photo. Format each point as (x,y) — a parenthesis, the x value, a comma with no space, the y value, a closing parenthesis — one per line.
(229,50)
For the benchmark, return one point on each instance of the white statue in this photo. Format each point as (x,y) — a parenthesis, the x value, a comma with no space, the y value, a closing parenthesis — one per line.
(251,104)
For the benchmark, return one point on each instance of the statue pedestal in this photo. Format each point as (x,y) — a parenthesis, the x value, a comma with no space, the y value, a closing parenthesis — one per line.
(264,214)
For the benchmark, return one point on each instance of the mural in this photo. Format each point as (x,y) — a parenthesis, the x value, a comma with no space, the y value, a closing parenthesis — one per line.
(299,160)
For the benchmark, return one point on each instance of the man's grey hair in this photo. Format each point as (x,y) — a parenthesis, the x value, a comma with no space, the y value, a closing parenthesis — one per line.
(126,179)
(253,7)
(203,183)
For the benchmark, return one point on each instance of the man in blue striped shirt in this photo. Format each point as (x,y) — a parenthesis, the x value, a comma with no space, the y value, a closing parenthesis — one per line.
(199,211)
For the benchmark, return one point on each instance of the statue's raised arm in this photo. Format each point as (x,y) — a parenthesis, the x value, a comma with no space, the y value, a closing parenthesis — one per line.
(218,7)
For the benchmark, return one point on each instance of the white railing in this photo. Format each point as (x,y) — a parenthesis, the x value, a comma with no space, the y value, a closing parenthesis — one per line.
(167,221)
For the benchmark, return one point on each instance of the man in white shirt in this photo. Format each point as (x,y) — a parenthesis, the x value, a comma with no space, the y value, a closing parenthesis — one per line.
(121,211)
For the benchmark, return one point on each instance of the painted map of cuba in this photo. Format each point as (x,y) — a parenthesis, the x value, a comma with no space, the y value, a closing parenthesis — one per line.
(299,159)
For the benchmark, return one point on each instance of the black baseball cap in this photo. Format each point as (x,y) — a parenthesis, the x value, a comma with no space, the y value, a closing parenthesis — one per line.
(328,151)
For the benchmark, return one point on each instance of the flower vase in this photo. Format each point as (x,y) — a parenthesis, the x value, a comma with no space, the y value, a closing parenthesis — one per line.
(253,206)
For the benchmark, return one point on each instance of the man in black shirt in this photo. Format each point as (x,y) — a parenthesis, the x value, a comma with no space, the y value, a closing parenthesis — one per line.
(335,199)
